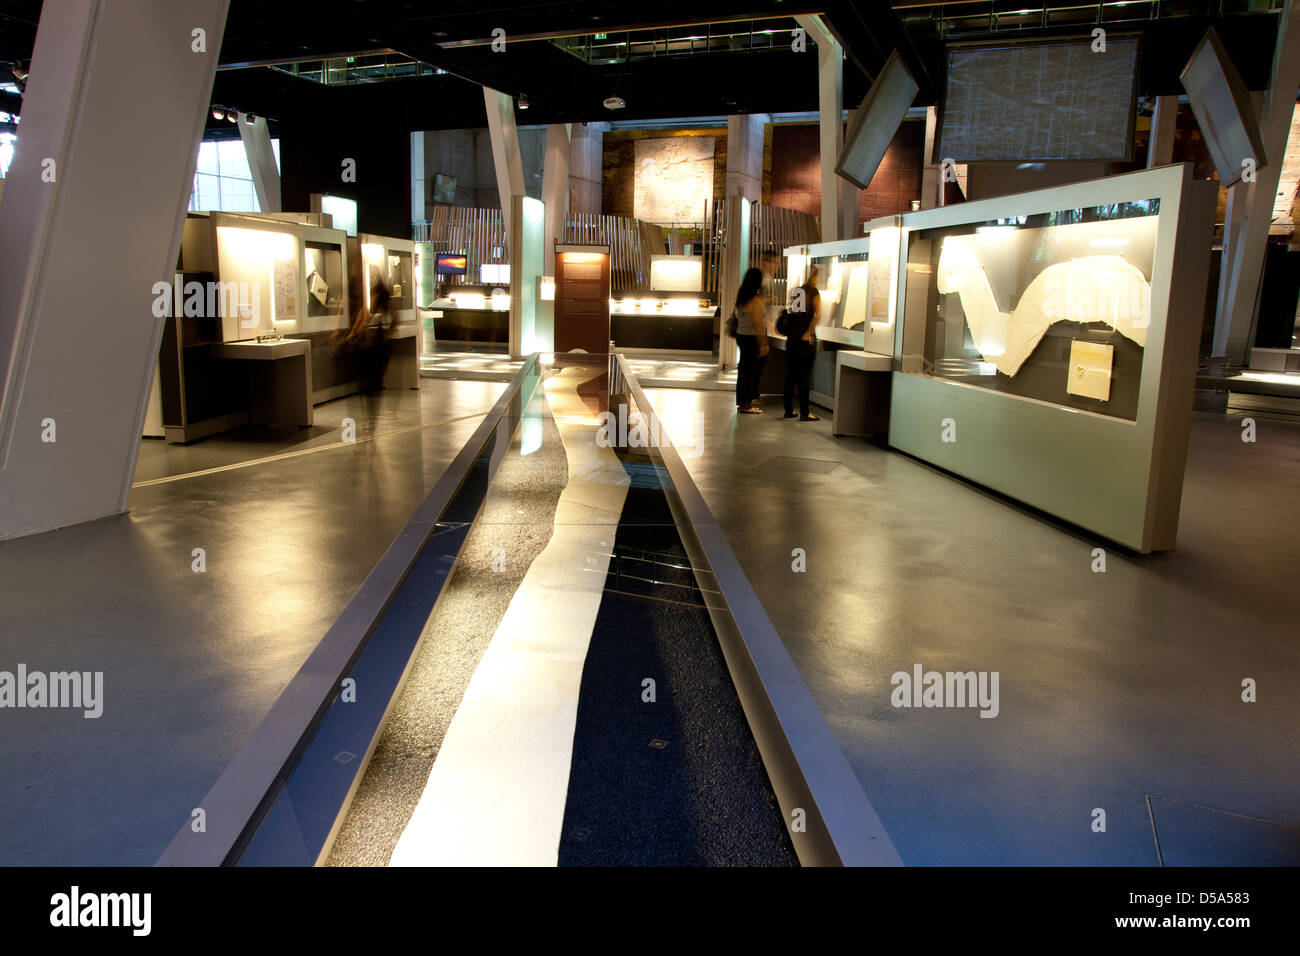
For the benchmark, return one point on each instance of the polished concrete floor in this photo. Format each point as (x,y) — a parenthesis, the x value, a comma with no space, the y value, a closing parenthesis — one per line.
(470,366)
(192,661)
(1119,691)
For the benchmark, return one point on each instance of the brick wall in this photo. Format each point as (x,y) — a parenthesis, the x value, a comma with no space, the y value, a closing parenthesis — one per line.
(795,178)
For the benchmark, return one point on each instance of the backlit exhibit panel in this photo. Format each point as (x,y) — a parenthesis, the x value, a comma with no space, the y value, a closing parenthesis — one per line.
(858,286)
(1031,305)
(259,268)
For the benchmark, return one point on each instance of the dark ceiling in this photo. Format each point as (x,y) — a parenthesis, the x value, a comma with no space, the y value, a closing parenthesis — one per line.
(562,87)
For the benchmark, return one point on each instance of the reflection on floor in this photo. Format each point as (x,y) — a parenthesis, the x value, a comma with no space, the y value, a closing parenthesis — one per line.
(376,415)
(676,373)
(198,606)
(651,370)
(1113,686)
(470,366)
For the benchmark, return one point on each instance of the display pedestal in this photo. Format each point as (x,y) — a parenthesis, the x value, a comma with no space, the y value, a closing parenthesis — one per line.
(862,386)
(281,379)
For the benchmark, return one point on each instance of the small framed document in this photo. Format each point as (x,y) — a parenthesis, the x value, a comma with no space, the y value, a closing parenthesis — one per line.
(1089,371)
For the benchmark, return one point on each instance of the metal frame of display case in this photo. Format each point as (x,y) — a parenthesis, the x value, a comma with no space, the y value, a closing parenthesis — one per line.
(1119,478)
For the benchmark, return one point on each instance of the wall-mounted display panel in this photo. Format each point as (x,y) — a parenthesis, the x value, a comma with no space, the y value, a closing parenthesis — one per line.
(676,273)
(582,299)
(343,211)
(1046,346)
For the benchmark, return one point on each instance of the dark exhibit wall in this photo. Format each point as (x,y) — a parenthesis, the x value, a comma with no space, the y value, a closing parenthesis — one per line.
(312,154)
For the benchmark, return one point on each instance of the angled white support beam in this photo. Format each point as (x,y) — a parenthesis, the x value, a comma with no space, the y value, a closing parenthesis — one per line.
(261,162)
(77,354)
(505,147)
(1243,253)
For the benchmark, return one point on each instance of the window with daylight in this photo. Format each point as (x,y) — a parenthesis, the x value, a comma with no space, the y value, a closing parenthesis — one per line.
(222,179)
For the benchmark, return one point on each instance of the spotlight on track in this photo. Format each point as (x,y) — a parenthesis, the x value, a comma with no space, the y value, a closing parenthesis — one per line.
(523,101)
(218,113)
(250,118)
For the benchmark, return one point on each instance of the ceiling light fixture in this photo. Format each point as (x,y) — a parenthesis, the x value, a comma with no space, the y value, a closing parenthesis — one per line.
(218,113)
(614,103)
(250,118)
(231,116)
(523,101)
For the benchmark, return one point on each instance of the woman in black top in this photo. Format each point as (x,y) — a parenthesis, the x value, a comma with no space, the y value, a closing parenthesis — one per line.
(801,347)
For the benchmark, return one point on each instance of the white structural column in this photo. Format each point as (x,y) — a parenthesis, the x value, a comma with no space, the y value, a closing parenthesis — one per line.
(497,791)
(839,199)
(745,155)
(419,179)
(1164,124)
(555,189)
(506,158)
(735,261)
(1251,203)
(91,221)
(261,162)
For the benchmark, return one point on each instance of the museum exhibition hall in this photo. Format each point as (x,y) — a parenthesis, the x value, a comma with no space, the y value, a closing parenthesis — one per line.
(598,435)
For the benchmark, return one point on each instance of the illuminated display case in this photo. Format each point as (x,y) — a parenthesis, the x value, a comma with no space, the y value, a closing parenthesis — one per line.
(391,261)
(1046,346)
(271,275)
(1053,306)
(856,283)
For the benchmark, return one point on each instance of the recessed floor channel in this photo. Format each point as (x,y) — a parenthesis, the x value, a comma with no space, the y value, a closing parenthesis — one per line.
(569,703)
(677,779)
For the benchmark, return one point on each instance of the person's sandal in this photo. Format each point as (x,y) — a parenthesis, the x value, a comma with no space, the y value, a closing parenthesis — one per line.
(809,418)
(750,410)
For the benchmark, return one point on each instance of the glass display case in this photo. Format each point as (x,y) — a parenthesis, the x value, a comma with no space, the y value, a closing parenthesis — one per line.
(856,284)
(270,275)
(1046,345)
(391,262)
(323,269)
(1053,306)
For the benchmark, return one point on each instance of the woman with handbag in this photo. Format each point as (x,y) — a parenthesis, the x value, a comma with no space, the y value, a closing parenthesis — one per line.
(749,328)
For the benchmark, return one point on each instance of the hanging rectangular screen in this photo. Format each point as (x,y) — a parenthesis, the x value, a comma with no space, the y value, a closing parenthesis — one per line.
(1223,112)
(873,125)
(1033,102)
